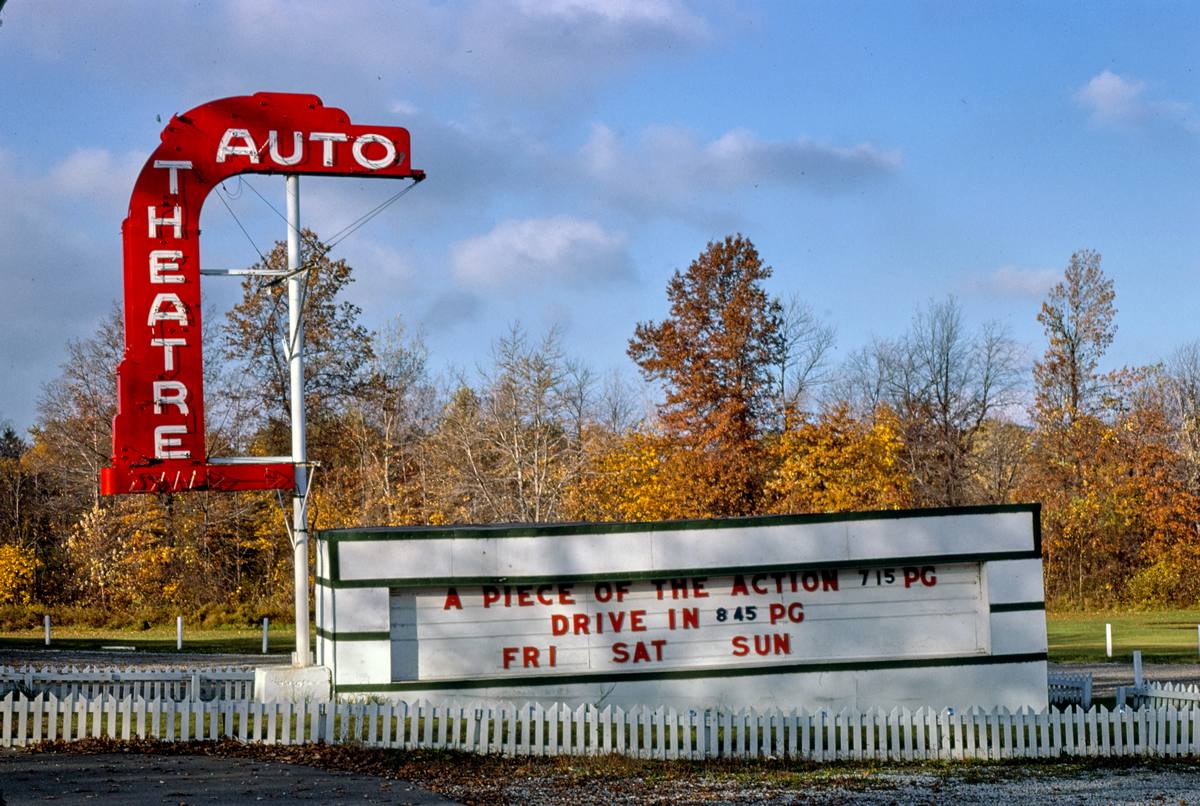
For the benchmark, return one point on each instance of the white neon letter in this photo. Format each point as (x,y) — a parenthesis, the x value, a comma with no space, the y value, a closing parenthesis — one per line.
(328,139)
(163,442)
(157,314)
(225,149)
(173,166)
(297,148)
(165,260)
(170,393)
(175,221)
(168,346)
(383,162)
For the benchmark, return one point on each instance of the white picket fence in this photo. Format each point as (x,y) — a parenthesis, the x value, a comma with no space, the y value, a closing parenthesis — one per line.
(178,684)
(641,732)
(1159,695)
(1070,688)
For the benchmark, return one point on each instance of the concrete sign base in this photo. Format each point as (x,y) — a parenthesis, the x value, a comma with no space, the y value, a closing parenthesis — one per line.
(288,683)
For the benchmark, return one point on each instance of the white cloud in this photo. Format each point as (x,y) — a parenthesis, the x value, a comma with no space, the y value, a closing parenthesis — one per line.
(1113,100)
(527,253)
(739,156)
(405,109)
(551,47)
(96,172)
(61,267)
(1012,281)
(668,169)
(542,49)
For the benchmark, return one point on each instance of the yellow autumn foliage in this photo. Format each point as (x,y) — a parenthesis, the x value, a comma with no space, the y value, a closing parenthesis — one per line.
(629,478)
(18,571)
(838,464)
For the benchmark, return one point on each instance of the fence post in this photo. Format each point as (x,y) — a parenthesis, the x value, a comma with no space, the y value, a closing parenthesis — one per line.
(179,632)
(1137,668)
(1108,639)
(266,626)
(46,625)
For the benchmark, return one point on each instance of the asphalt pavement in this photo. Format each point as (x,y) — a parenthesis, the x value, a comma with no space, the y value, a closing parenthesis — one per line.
(135,779)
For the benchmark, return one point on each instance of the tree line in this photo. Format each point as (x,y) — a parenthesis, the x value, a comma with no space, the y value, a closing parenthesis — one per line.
(747,414)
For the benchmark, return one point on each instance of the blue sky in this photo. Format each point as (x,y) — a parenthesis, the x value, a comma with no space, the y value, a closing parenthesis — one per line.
(878,154)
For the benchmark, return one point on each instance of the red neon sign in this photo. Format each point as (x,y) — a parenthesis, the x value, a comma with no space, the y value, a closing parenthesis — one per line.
(158,433)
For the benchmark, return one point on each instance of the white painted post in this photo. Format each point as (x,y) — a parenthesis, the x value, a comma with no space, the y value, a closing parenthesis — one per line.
(179,632)
(266,624)
(295,357)
(46,626)
(1137,668)
(1108,639)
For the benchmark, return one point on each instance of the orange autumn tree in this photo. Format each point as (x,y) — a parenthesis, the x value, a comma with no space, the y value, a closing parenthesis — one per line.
(839,463)
(1156,474)
(1072,438)
(1118,512)
(714,355)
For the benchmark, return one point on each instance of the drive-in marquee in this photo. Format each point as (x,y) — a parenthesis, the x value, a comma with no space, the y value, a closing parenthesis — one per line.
(923,607)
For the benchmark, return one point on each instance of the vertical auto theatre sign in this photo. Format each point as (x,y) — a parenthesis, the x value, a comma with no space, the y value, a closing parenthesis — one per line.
(158,432)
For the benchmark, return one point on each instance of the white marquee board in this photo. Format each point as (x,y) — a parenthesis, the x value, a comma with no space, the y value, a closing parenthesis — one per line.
(941,607)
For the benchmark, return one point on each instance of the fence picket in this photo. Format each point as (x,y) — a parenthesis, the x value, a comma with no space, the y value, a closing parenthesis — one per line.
(1143,732)
(606,718)
(498,715)
(22,710)
(38,712)
(1160,733)
(579,727)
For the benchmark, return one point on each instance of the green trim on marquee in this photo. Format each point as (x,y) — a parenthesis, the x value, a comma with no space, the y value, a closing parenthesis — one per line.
(1016,607)
(366,635)
(622,576)
(584,528)
(691,674)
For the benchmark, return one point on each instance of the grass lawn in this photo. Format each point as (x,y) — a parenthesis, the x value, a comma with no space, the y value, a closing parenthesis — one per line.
(1167,636)
(239,640)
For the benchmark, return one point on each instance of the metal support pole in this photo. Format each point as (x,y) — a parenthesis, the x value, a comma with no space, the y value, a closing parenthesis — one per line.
(295,285)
